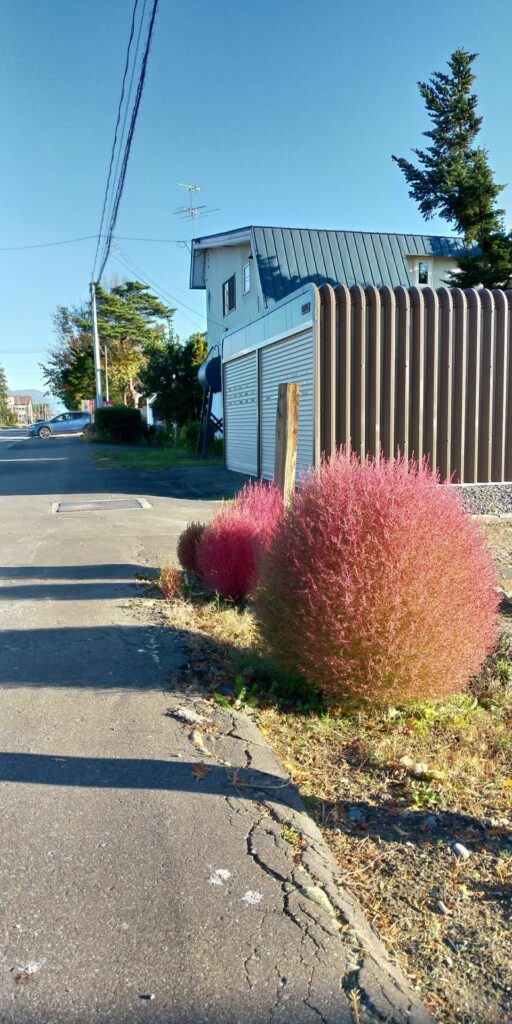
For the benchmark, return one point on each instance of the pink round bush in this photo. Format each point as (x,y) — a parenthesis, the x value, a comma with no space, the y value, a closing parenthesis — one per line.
(263,504)
(377,586)
(229,550)
(187,549)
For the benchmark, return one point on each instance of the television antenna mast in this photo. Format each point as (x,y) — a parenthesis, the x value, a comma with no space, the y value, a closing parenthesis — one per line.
(192,212)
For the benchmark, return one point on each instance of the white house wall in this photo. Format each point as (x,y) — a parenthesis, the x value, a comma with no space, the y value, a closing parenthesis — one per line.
(220,265)
(439,268)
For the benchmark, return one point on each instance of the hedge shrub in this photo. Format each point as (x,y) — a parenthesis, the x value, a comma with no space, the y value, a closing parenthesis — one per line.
(377,585)
(119,424)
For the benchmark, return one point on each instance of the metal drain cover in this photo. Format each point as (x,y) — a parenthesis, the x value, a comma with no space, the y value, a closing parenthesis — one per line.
(108,504)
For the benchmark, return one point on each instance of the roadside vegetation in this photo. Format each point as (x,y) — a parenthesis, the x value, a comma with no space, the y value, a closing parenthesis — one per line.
(131,445)
(412,788)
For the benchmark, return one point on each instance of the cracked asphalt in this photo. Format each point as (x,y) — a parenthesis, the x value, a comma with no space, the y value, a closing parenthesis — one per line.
(136,886)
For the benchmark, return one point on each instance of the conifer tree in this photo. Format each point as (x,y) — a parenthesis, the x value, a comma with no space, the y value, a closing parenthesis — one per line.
(453,178)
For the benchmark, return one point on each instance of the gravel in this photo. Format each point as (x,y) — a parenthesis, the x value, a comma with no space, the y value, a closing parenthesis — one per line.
(486,499)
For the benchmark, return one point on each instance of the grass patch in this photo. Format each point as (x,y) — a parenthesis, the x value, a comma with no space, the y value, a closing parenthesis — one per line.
(153,458)
(393,790)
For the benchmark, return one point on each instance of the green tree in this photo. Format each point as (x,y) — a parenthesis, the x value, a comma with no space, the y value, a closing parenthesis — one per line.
(6,416)
(452,176)
(130,320)
(171,374)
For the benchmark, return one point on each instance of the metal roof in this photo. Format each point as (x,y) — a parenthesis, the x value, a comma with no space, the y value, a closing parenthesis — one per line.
(288,258)
(291,257)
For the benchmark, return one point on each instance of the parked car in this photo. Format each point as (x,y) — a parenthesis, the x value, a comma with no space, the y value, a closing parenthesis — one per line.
(64,423)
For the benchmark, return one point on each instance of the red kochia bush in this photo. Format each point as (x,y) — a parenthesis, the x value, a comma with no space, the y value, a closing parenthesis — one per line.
(188,542)
(229,549)
(377,585)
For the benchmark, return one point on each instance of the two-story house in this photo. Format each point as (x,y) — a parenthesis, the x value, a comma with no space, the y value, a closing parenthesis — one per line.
(245,271)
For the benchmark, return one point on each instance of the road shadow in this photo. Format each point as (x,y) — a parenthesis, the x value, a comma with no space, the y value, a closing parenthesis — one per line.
(95,658)
(97,571)
(142,773)
(64,466)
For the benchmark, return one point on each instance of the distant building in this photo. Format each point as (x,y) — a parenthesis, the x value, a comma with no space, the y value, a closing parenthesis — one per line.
(21,406)
(41,410)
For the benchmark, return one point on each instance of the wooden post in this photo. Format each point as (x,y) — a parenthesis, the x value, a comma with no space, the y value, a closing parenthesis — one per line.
(287,417)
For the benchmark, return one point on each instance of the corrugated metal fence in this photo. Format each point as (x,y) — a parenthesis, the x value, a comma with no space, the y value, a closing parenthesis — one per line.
(428,372)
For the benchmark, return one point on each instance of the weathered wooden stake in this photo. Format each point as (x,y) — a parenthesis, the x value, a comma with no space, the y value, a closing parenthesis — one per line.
(287,418)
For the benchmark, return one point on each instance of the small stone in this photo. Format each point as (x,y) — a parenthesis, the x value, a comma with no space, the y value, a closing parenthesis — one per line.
(355,814)
(442,908)
(431,821)
(461,851)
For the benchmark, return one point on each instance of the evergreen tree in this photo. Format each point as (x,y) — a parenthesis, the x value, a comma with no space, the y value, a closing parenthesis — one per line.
(453,178)
(130,320)
(6,417)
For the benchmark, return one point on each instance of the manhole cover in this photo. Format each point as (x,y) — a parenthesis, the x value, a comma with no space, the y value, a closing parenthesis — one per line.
(108,504)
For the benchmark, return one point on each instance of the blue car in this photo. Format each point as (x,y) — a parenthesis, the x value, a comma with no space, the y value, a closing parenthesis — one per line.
(64,423)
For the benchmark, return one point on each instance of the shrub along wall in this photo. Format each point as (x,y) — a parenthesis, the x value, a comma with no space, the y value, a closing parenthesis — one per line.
(119,424)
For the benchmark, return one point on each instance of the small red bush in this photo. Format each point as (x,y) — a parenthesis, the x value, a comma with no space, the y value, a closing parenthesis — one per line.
(169,581)
(377,586)
(229,549)
(228,553)
(188,542)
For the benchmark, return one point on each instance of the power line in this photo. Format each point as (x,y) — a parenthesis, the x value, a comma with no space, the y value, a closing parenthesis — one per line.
(161,292)
(88,238)
(44,245)
(118,119)
(158,277)
(128,98)
(129,140)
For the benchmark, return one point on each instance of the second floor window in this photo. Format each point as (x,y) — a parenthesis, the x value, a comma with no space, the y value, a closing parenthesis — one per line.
(422,273)
(228,296)
(247,278)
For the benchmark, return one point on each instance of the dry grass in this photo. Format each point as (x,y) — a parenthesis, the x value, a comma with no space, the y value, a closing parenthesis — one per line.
(374,782)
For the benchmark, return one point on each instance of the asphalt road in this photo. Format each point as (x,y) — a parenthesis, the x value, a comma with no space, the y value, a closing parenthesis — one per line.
(131,889)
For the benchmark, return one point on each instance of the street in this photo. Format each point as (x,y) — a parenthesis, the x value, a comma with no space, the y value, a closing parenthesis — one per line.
(133,889)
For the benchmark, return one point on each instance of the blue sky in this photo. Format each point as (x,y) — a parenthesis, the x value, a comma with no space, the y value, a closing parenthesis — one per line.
(285,112)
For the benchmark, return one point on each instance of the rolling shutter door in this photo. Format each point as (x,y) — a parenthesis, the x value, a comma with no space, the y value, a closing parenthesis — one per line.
(241,414)
(287,362)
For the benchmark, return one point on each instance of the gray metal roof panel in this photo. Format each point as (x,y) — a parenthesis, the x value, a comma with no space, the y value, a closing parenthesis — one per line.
(288,258)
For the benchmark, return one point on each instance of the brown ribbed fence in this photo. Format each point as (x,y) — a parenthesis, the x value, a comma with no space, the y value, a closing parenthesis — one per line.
(426,372)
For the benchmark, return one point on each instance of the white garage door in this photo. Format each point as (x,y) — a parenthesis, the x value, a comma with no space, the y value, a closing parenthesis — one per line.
(241,414)
(287,362)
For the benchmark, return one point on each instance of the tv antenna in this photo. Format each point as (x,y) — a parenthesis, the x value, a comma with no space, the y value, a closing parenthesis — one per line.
(192,212)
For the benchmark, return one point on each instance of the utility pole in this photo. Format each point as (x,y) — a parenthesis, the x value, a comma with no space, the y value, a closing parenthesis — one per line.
(105,350)
(96,349)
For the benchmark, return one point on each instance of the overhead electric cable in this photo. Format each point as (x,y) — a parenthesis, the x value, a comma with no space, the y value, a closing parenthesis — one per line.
(87,238)
(129,140)
(118,119)
(158,278)
(127,107)
(44,245)
(161,292)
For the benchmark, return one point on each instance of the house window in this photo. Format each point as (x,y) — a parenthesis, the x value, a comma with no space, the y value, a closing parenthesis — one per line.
(423,269)
(228,296)
(247,278)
